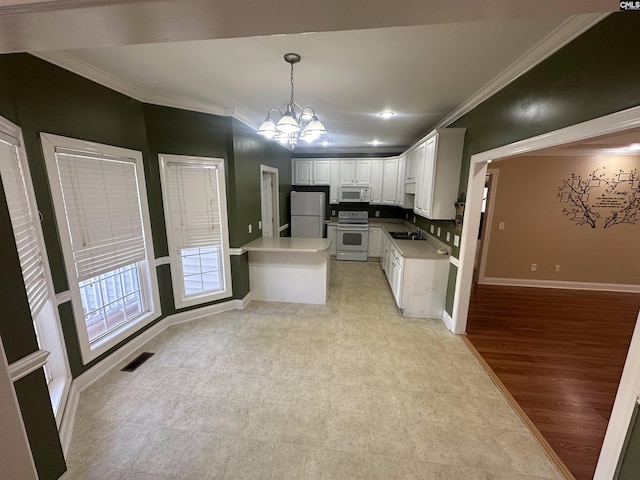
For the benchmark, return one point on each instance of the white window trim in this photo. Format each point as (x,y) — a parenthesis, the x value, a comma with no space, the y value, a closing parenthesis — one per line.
(51,333)
(92,350)
(176,276)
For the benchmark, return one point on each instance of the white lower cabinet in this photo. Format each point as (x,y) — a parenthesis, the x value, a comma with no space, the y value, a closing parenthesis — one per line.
(419,285)
(331,235)
(376,246)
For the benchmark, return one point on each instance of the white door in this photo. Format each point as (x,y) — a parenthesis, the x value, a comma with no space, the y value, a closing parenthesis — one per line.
(269,204)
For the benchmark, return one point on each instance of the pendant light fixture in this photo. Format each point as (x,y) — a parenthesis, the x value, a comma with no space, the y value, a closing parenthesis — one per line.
(296,122)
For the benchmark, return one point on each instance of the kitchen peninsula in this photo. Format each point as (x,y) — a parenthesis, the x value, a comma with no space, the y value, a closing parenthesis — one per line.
(284,269)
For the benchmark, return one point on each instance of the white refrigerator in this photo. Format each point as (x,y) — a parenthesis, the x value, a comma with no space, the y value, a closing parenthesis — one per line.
(307,214)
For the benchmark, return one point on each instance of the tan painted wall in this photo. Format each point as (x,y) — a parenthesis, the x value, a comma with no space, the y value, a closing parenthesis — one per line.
(536,231)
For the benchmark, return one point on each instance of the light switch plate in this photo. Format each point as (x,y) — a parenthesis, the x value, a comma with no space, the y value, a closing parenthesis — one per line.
(456,240)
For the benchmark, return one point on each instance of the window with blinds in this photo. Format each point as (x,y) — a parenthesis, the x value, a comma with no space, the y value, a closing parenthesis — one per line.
(23,219)
(102,208)
(195,212)
(100,201)
(25,222)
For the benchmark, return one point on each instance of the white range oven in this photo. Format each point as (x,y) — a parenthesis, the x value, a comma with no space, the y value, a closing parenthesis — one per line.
(352,236)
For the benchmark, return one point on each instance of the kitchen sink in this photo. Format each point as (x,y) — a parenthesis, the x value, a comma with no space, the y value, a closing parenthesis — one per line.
(405,236)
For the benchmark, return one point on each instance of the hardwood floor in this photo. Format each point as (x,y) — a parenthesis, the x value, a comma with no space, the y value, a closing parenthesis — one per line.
(560,353)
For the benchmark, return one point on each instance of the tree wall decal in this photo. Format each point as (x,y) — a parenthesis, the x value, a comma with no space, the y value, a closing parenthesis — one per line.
(631,195)
(620,197)
(575,191)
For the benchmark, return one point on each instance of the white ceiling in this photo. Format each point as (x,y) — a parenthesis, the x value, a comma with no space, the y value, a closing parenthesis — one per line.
(423,72)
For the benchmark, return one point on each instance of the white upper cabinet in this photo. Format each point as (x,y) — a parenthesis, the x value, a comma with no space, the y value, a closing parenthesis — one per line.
(390,182)
(375,191)
(321,172)
(355,172)
(334,185)
(363,172)
(439,174)
(302,172)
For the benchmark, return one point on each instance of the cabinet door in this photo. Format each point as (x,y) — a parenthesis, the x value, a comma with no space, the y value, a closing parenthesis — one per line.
(321,172)
(302,174)
(411,170)
(376,182)
(375,242)
(400,184)
(347,172)
(419,162)
(363,172)
(426,184)
(390,181)
(331,235)
(334,184)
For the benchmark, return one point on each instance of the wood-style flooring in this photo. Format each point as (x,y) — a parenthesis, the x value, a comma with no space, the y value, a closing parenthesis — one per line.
(560,353)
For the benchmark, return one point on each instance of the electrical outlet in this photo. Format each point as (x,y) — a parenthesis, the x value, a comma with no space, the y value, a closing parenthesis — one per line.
(333,213)
(259,224)
(439,231)
(557,268)
(406,216)
(414,219)
(431,229)
(250,228)
(377,213)
(448,236)
(501,226)
(534,267)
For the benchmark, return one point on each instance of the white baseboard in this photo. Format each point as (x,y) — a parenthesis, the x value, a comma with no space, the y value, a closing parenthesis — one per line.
(523,282)
(94,373)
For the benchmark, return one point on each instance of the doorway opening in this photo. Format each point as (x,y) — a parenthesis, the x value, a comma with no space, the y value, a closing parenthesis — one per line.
(270,201)
(601,131)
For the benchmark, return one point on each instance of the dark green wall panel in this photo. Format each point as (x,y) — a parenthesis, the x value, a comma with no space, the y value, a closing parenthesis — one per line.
(595,75)
(40,424)
(179,132)
(240,265)
(50,99)
(249,152)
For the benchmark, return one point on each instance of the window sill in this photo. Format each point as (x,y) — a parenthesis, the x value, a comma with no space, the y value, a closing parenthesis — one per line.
(110,340)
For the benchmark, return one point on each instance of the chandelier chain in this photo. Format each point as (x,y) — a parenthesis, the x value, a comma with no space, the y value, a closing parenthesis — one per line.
(291,102)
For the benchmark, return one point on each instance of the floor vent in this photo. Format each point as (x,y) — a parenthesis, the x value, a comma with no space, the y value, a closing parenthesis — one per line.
(136,362)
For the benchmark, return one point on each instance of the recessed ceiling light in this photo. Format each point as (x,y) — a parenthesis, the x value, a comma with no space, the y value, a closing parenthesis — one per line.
(325,144)
(376,142)
(634,146)
(386,114)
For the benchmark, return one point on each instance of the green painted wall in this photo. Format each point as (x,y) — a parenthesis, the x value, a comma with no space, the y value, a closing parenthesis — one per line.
(595,75)
(40,97)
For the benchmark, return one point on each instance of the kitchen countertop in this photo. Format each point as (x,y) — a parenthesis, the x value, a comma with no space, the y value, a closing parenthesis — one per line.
(287,244)
(421,249)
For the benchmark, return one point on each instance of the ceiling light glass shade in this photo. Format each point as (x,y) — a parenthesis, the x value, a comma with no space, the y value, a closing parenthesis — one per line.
(288,124)
(315,127)
(268,128)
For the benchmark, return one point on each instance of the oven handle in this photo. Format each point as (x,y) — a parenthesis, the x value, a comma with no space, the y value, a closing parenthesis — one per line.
(359,228)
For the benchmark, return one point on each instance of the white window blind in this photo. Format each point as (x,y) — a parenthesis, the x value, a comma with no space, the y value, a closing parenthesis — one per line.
(23,218)
(102,207)
(194,201)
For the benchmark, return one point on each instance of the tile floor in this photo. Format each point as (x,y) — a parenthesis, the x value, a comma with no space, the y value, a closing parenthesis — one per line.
(350,390)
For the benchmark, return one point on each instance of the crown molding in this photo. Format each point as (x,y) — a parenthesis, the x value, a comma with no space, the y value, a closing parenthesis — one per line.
(72,64)
(569,30)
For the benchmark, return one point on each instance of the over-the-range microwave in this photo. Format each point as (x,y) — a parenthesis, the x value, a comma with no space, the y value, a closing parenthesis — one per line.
(354,194)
